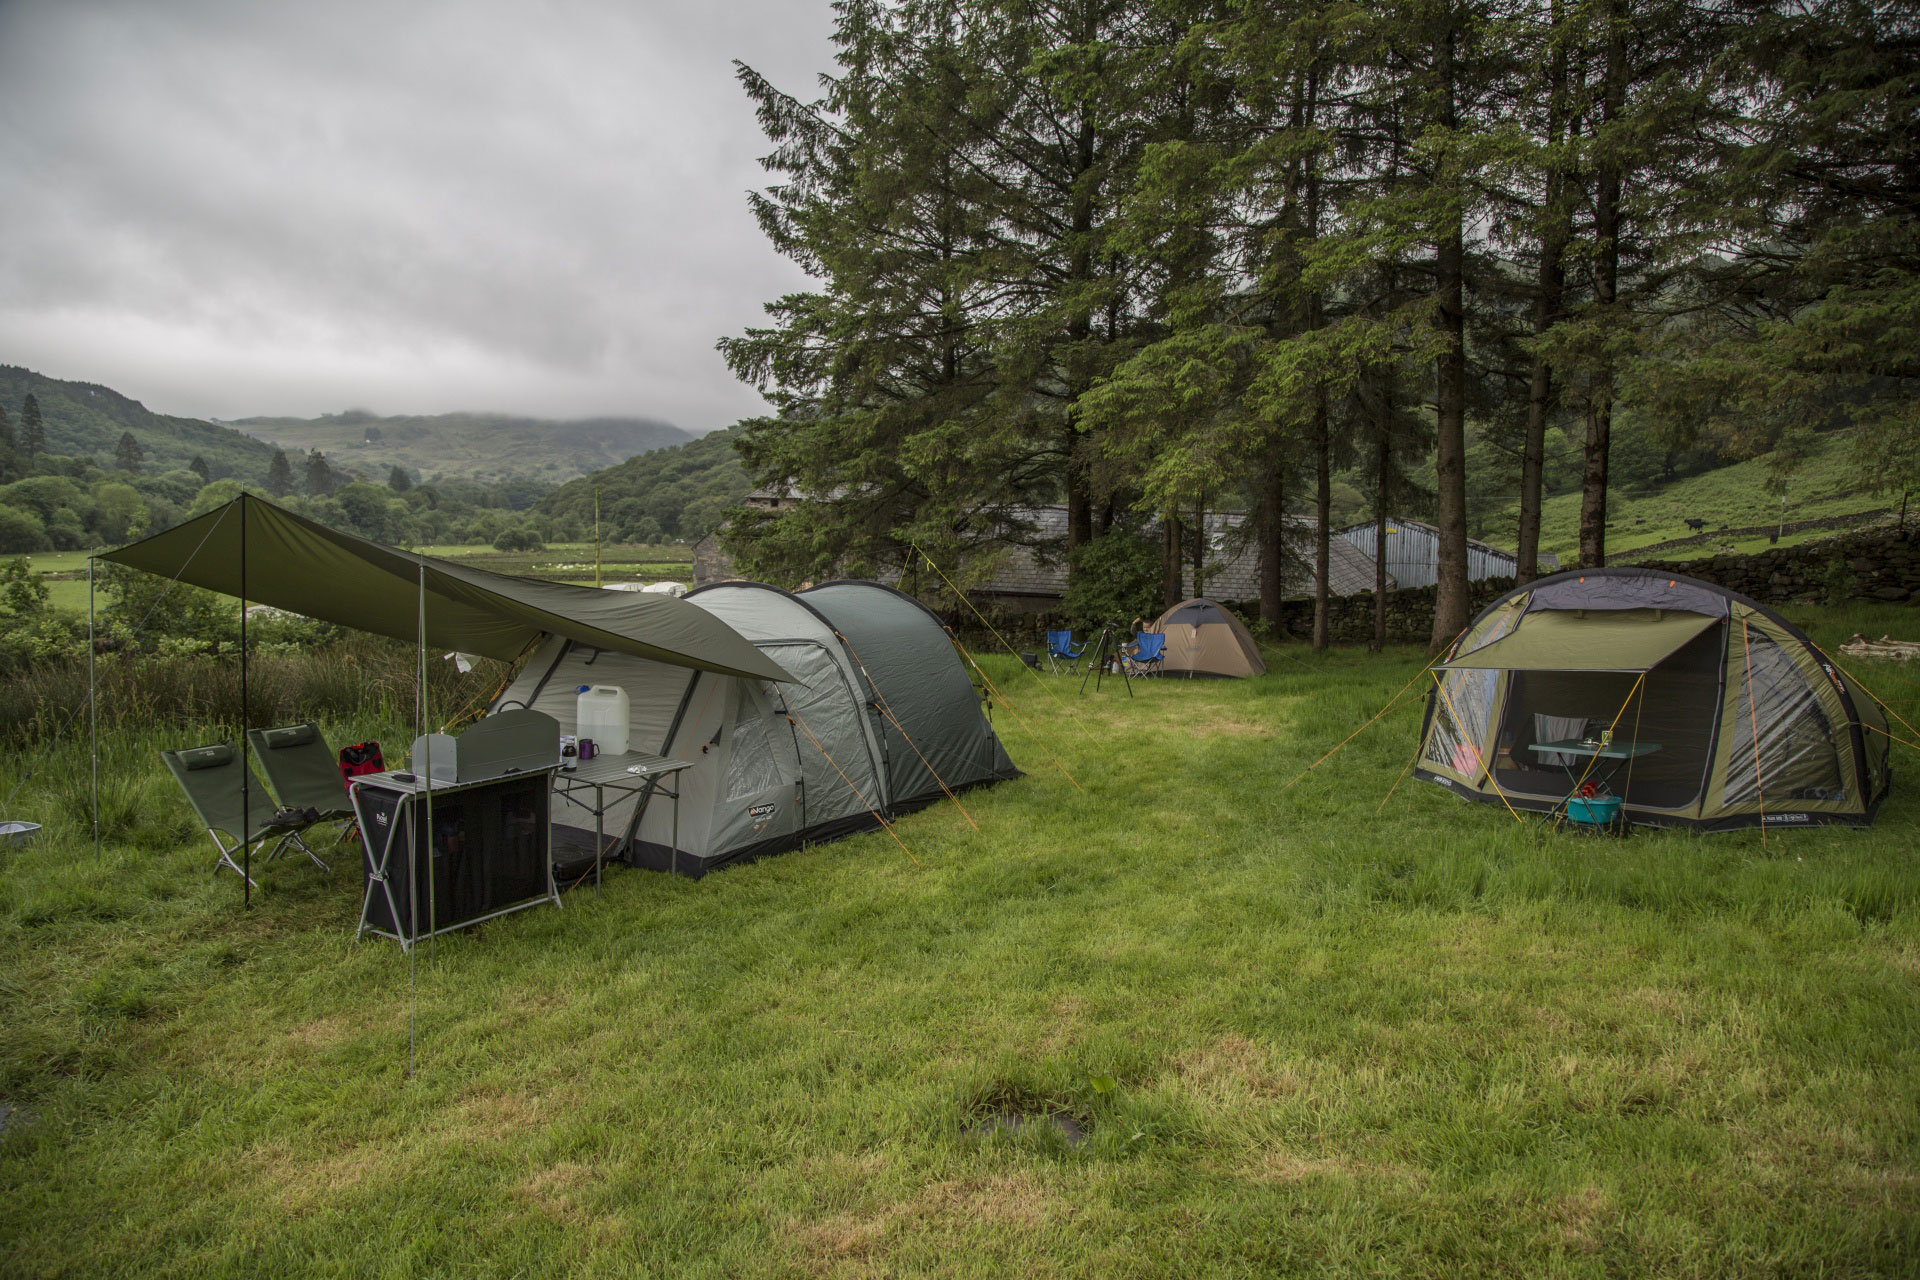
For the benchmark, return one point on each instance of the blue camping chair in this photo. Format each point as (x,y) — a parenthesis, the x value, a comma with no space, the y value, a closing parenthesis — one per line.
(1060,649)
(1144,654)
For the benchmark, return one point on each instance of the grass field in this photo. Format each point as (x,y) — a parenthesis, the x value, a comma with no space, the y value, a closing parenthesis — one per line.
(1311,1031)
(1731,497)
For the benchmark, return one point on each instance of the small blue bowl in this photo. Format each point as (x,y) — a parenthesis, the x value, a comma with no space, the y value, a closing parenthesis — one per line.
(1596,811)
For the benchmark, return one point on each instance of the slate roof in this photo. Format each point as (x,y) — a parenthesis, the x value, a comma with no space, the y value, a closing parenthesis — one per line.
(1025,572)
(1233,563)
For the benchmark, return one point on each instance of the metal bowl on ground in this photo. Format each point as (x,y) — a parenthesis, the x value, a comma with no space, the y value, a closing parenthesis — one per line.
(18,835)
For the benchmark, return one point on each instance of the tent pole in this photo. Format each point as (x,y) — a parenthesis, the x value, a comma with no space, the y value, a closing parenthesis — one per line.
(246,773)
(93,713)
(426,750)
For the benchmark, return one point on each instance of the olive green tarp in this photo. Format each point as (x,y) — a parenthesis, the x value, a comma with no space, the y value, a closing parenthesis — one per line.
(267,555)
(1555,640)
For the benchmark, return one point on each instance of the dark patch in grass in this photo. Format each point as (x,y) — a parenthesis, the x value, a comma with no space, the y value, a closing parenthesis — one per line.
(1071,1130)
(1004,1107)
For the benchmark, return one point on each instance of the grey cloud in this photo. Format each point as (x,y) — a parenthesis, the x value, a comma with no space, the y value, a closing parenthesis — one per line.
(233,207)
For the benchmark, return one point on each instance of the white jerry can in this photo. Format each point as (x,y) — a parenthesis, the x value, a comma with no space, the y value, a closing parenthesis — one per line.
(601,714)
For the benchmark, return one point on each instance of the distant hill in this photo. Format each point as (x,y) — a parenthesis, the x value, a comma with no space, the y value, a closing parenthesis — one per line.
(469,446)
(84,419)
(680,492)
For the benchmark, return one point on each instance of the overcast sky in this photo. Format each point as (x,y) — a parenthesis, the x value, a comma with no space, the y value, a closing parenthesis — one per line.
(235,207)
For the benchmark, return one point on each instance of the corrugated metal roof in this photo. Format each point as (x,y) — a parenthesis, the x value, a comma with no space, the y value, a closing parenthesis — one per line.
(1413,553)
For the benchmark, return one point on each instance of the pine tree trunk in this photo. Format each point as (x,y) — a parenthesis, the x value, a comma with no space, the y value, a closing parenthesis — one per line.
(1271,531)
(1170,561)
(1383,461)
(1200,547)
(1450,454)
(1606,292)
(1550,290)
(1322,520)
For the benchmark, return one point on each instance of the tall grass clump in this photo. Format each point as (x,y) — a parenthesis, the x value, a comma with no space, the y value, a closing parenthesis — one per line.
(354,678)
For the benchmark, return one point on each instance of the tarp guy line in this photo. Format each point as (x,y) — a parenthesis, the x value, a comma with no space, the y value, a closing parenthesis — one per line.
(1492,781)
(886,709)
(793,717)
(1753,720)
(1391,704)
(1015,713)
(1072,718)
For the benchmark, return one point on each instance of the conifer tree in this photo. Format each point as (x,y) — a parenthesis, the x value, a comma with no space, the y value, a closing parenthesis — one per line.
(127,454)
(398,480)
(279,475)
(33,432)
(319,475)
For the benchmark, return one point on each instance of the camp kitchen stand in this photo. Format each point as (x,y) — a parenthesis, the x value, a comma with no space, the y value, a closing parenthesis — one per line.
(465,835)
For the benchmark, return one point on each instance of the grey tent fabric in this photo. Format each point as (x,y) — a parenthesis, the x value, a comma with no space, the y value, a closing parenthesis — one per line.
(934,740)
(268,555)
(775,766)
(1608,589)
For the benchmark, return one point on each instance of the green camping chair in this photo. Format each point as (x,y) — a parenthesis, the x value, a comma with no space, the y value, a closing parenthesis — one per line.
(212,777)
(302,770)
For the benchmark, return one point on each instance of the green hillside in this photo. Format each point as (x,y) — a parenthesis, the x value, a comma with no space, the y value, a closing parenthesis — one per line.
(84,420)
(1729,498)
(681,492)
(469,446)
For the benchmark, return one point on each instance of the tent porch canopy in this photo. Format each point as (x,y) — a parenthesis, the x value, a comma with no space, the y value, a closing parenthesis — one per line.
(262,553)
(1626,640)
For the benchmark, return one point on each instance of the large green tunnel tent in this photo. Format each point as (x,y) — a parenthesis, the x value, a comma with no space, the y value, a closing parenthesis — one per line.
(878,718)
(1737,720)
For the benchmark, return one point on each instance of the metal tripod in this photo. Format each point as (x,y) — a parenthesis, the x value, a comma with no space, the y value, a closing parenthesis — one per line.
(1106,649)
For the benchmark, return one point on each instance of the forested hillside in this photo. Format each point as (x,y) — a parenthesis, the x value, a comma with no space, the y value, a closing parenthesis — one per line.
(1149,261)
(59,493)
(469,446)
(682,492)
(82,420)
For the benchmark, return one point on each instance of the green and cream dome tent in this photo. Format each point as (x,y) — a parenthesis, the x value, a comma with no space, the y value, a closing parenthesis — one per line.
(1694,705)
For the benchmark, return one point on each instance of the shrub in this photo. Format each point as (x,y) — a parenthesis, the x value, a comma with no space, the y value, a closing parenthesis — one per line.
(517,538)
(1116,578)
(21,531)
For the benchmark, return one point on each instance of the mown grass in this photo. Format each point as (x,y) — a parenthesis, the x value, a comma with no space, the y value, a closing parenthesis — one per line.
(573,561)
(1306,1032)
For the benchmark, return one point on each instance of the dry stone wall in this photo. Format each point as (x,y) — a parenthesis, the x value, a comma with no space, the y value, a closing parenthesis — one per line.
(1876,564)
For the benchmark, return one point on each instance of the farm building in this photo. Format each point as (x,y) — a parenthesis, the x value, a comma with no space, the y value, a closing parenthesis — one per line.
(1413,553)
(1030,580)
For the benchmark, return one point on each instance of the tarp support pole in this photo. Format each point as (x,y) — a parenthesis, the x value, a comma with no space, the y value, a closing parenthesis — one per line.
(246,771)
(93,713)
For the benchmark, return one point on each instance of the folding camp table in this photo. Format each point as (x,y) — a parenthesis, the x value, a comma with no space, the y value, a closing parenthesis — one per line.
(488,850)
(1618,750)
(634,773)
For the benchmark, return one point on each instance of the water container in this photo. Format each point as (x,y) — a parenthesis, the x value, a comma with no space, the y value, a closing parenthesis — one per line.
(602,715)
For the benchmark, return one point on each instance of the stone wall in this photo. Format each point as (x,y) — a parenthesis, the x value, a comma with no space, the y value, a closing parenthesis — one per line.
(1409,613)
(1877,564)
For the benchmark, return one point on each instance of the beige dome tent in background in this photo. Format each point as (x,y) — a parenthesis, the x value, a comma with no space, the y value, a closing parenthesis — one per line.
(1204,639)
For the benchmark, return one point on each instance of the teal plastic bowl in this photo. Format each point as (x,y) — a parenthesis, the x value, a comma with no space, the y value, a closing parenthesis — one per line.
(1596,812)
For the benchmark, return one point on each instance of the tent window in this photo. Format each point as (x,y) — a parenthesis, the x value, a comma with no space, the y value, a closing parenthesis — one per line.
(1797,757)
(1470,694)
(753,768)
